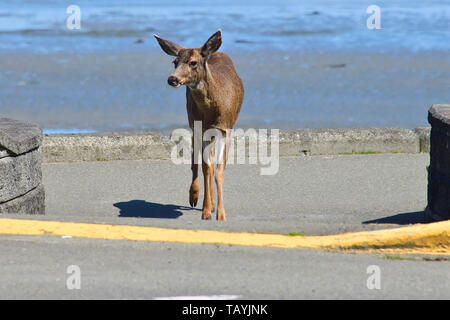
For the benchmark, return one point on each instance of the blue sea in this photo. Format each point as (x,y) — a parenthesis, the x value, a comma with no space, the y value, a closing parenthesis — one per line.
(40,25)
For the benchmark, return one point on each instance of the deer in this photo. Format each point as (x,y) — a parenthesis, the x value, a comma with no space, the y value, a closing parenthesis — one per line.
(214,96)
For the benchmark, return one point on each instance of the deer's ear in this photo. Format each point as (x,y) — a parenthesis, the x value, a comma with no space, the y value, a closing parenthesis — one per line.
(169,47)
(213,44)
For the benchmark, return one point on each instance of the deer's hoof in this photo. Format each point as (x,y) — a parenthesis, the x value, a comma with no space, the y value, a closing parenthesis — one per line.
(206,217)
(193,196)
(206,213)
(221,215)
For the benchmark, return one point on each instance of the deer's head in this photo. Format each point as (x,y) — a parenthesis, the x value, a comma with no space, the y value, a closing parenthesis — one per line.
(190,64)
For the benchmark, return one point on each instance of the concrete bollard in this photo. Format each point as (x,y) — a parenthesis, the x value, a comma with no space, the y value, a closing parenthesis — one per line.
(439,171)
(21,189)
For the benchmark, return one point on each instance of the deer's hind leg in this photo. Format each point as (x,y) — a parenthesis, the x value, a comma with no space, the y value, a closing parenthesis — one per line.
(194,190)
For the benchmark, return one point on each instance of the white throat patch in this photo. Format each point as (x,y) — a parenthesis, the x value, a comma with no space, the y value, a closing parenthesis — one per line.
(196,86)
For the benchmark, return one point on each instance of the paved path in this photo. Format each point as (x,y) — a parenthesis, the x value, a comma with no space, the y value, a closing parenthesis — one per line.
(36,267)
(311,195)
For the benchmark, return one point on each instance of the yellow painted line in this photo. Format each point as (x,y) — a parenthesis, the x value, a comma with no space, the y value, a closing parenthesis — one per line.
(425,238)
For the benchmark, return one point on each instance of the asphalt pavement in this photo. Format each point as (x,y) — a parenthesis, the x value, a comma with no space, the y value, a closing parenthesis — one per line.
(309,195)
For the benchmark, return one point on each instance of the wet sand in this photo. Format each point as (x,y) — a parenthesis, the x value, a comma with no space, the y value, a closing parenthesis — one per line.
(114,91)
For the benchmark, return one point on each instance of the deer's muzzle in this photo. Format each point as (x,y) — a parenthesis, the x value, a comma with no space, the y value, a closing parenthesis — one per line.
(173,81)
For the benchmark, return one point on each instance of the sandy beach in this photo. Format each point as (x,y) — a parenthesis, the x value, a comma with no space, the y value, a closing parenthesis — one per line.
(123,91)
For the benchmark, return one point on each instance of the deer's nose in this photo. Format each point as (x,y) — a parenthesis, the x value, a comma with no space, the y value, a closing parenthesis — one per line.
(173,81)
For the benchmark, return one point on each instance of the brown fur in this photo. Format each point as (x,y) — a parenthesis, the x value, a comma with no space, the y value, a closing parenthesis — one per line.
(214,95)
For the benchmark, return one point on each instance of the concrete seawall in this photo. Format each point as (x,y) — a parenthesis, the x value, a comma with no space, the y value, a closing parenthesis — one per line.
(303,142)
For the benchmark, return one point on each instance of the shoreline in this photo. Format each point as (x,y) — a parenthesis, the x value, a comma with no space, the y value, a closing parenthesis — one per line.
(103,92)
(147,145)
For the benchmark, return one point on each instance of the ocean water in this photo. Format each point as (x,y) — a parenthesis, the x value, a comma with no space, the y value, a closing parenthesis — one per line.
(305,64)
(40,25)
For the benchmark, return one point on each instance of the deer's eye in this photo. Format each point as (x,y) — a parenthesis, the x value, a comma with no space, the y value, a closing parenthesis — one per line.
(175,63)
(193,63)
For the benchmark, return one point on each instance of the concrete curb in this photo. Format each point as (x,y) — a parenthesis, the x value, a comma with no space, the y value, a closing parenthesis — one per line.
(151,145)
(432,238)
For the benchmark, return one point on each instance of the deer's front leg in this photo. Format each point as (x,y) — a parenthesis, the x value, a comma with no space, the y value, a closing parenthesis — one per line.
(224,144)
(207,169)
(211,183)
